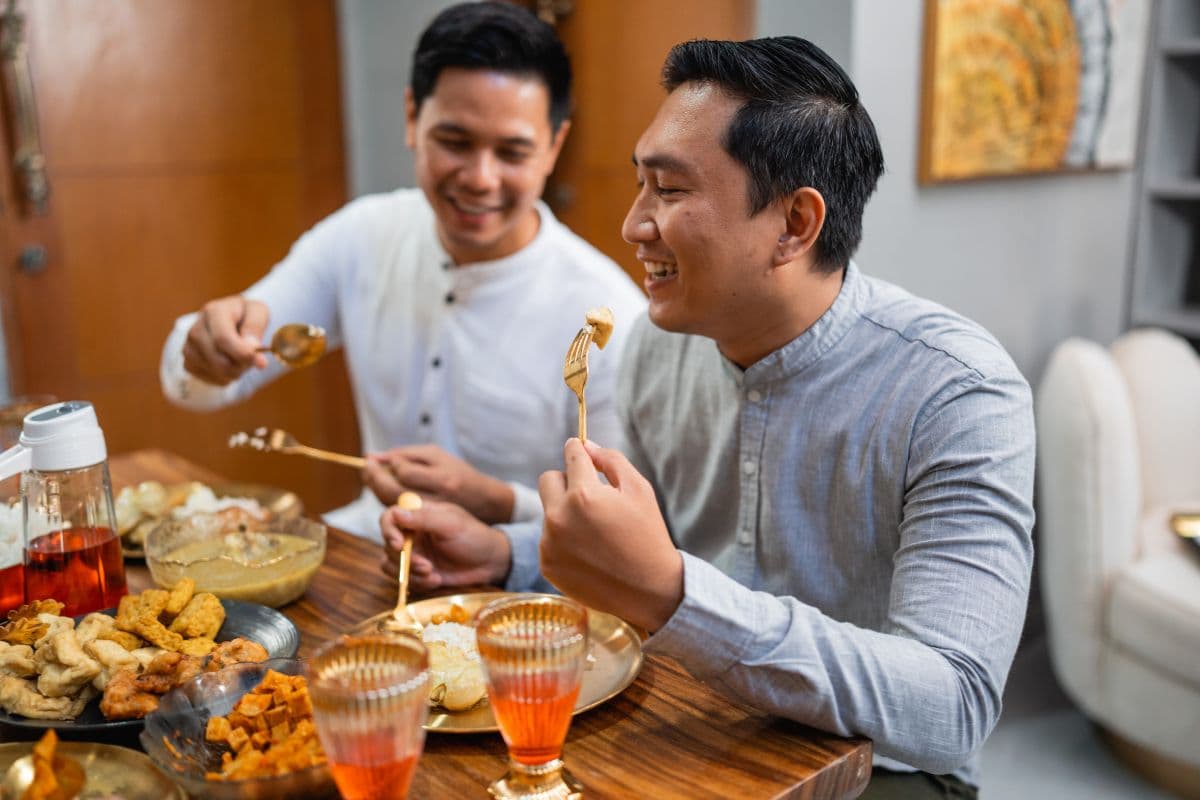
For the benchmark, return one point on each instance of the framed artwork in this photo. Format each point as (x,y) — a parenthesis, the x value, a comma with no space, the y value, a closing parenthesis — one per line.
(1012,87)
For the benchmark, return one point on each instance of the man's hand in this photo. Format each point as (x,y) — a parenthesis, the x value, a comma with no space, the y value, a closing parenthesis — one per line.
(608,546)
(434,474)
(450,547)
(221,343)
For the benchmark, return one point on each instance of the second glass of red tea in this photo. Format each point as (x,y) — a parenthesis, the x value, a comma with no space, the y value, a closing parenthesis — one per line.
(370,697)
(533,649)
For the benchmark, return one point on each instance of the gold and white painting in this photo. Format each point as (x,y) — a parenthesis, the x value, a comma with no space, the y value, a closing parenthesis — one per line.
(1014,87)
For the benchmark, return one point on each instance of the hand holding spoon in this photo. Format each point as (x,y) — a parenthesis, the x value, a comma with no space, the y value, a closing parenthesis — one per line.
(297,344)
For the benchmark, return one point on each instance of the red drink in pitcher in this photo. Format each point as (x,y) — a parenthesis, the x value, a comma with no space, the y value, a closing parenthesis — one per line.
(12,588)
(81,567)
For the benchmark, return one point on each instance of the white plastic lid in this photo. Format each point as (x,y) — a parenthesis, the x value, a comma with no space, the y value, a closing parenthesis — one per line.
(63,436)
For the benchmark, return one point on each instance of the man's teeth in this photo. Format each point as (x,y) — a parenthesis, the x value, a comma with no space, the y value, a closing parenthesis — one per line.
(658,269)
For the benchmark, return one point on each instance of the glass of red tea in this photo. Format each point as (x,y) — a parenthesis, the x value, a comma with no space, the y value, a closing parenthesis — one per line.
(533,649)
(370,697)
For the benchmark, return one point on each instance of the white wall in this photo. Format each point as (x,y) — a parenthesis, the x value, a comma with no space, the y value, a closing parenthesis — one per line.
(377,41)
(1033,259)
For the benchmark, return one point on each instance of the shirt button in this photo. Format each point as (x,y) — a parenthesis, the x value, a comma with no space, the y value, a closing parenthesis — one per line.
(437,362)
(449,298)
(748,467)
(754,395)
(426,419)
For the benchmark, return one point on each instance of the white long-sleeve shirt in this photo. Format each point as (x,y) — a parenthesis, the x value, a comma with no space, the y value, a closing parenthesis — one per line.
(466,357)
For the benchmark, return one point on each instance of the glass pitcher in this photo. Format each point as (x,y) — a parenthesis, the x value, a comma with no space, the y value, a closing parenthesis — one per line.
(72,552)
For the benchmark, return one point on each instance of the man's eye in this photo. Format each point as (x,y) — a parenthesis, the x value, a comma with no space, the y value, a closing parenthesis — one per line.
(666,191)
(514,156)
(457,145)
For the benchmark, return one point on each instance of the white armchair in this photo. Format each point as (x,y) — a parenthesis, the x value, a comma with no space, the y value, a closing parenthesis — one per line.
(1118,452)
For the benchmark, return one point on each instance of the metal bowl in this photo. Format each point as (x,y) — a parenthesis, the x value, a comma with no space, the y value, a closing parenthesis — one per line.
(174,738)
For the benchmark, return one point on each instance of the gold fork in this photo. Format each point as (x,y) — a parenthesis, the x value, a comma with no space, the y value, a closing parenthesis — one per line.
(575,372)
(280,441)
(597,327)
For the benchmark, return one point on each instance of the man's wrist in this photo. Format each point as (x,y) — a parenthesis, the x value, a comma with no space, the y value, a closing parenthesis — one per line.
(500,503)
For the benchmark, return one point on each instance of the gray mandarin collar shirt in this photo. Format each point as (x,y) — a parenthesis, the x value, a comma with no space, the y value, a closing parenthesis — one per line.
(854,512)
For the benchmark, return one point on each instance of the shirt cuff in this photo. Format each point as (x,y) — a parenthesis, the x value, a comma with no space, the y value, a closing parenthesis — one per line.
(180,386)
(712,629)
(527,504)
(525,575)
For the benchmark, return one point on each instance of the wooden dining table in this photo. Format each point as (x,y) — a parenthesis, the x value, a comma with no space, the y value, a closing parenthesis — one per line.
(667,735)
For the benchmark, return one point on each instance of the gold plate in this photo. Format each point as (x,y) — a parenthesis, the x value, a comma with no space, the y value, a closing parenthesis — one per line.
(281,503)
(111,770)
(613,643)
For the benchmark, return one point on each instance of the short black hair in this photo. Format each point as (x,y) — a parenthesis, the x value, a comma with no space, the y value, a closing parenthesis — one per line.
(800,124)
(493,36)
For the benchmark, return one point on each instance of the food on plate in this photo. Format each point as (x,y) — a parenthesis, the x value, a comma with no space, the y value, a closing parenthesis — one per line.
(55,777)
(456,680)
(601,320)
(269,732)
(24,626)
(140,508)
(66,665)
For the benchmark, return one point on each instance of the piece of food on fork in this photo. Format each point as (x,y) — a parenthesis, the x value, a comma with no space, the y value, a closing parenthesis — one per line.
(601,320)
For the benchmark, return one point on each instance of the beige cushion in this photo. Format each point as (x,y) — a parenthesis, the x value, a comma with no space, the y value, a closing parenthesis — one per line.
(1154,615)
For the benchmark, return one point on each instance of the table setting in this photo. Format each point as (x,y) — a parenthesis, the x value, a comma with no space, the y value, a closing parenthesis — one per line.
(205,637)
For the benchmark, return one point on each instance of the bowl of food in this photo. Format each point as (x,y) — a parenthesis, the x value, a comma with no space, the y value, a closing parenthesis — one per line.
(244,732)
(235,558)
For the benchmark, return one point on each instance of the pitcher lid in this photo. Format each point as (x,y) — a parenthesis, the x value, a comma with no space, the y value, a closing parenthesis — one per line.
(64,436)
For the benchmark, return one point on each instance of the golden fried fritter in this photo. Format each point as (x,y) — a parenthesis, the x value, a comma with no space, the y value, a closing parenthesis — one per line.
(203,616)
(179,597)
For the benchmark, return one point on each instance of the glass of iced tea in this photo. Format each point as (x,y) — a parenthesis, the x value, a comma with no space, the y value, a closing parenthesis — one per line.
(533,649)
(370,697)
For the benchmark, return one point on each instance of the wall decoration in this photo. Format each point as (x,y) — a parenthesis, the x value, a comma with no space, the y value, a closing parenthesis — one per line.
(1021,86)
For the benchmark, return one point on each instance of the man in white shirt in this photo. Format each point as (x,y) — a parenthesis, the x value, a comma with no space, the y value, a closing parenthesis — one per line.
(454,303)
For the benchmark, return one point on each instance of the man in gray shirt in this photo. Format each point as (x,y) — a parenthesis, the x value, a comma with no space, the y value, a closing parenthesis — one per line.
(826,505)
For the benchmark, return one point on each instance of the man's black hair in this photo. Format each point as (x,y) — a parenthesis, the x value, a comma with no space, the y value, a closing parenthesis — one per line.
(800,124)
(494,36)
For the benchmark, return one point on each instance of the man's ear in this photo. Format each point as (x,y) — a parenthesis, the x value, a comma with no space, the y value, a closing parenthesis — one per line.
(556,143)
(805,216)
(410,119)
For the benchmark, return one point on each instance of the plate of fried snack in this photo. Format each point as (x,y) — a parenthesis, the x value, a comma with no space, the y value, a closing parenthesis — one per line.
(245,732)
(457,691)
(109,669)
(49,768)
(141,508)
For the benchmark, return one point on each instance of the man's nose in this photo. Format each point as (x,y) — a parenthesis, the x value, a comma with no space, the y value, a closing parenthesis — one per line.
(481,171)
(638,225)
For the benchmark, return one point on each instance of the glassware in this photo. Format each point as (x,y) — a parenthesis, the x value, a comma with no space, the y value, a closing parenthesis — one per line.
(72,552)
(370,698)
(533,649)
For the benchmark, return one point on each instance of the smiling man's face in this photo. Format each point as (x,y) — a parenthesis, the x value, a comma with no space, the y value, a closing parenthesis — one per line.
(707,259)
(483,149)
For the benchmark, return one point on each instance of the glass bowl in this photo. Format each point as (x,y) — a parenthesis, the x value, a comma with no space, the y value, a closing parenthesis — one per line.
(174,738)
(272,567)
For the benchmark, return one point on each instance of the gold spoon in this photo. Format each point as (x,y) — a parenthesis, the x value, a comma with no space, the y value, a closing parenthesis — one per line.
(401,619)
(297,344)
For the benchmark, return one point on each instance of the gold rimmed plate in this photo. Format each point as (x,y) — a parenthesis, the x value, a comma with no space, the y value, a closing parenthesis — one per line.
(614,646)
(282,504)
(111,771)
